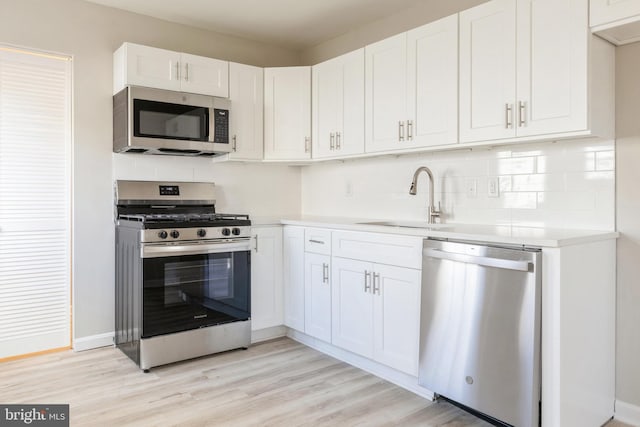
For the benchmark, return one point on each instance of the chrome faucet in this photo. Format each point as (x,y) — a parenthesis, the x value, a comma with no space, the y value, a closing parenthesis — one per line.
(433,212)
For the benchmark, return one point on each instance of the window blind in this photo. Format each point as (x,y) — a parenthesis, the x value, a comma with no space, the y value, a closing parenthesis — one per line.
(35,199)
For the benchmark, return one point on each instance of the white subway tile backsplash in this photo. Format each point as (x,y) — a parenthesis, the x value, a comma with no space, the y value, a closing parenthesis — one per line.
(568,184)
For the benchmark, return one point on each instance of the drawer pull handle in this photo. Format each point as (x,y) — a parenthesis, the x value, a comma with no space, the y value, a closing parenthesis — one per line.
(320,242)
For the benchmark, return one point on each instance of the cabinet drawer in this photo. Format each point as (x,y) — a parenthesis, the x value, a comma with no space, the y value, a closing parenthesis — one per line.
(402,251)
(317,240)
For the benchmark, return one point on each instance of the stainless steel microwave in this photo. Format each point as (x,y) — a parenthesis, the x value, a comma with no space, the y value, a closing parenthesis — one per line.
(156,121)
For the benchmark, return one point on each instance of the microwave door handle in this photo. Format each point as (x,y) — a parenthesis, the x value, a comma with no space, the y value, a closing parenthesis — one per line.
(212,124)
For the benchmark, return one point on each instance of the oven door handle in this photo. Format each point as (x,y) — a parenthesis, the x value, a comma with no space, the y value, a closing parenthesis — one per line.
(159,251)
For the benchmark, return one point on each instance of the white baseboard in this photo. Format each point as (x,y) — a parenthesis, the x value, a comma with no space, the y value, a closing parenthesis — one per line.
(268,334)
(93,341)
(627,413)
(398,378)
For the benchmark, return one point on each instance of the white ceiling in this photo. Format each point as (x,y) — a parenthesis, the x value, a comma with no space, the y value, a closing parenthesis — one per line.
(294,24)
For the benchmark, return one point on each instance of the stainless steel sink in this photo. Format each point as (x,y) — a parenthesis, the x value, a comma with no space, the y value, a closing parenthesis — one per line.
(408,224)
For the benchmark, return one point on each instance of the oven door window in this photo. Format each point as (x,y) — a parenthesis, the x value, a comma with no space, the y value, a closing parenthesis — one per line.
(153,119)
(188,292)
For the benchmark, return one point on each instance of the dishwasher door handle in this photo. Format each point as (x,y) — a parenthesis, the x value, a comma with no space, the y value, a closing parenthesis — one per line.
(506,264)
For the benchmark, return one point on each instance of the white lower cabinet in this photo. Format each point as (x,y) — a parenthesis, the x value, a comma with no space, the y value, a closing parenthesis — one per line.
(317,296)
(294,276)
(266,277)
(376,312)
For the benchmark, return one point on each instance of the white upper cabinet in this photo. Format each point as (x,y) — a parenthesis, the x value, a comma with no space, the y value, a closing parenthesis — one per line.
(338,106)
(139,65)
(386,94)
(287,113)
(246,93)
(487,71)
(411,88)
(531,68)
(432,83)
(206,76)
(616,20)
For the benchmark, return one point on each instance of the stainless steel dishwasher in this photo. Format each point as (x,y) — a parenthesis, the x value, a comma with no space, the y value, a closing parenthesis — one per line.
(480,328)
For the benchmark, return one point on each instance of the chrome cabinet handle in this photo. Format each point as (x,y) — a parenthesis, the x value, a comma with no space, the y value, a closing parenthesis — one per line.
(508,110)
(376,287)
(410,130)
(401,131)
(256,237)
(338,138)
(177,70)
(331,141)
(234,145)
(306,144)
(367,281)
(325,273)
(522,113)
(320,242)
(186,72)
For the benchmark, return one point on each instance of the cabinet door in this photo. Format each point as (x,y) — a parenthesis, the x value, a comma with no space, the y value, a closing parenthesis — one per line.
(385,94)
(338,106)
(317,293)
(552,66)
(246,93)
(206,76)
(287,113)
(352,306)
(293,250)
(432,83)
(152,67)
(327,106)
(350,138)
(487,71)
(397,317)
(605,11)
(266,278)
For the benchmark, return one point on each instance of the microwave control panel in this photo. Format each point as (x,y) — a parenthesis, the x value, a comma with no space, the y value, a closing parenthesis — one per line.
(221,126)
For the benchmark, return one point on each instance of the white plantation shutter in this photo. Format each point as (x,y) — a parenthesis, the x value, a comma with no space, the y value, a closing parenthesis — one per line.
(35,199)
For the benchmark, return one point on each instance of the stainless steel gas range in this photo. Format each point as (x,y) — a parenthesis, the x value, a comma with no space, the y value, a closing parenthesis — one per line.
(183,273)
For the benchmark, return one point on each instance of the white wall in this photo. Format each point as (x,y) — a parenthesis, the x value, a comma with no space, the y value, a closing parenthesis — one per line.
(567,184)
(402,20)
(91,33)
(628,222)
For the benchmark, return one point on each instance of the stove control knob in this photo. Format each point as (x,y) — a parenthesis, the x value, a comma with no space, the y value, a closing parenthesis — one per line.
(202,232)
(226,231)
(175,234)
(235,231)
(163,234)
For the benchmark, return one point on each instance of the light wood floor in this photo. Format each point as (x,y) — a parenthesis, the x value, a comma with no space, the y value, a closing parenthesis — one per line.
(278,383)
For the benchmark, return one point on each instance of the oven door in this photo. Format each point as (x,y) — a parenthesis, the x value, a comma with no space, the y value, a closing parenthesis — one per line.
(184,290)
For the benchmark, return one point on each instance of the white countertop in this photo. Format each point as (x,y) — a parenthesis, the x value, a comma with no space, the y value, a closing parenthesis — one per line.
(529,236)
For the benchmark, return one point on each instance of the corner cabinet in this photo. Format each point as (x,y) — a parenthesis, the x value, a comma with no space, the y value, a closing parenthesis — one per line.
(617,21)
(287,113)
(266,277)
(338,106)
(246,93)
(138,65)
(531,68)
(411,88)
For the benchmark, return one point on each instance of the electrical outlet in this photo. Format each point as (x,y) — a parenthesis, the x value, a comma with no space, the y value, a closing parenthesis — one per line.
(493,187)
(472,187)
